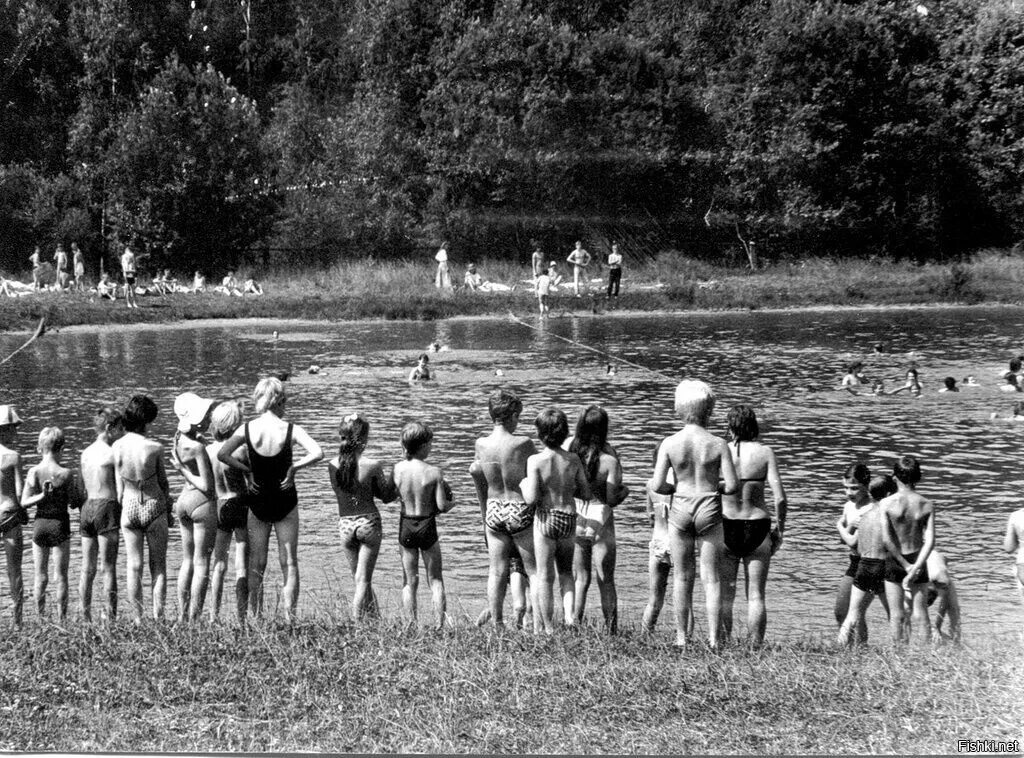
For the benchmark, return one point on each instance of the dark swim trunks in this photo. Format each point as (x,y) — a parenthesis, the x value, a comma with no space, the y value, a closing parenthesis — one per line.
(232,513)
(100,516)
(851,570)
(51,532)
(870,575)
(744,536)
(894,571)
(417,532)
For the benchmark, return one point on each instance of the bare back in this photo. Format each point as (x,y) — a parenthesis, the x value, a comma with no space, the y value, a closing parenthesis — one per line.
(755,468)
(418,485)
(554,479)
(229,482)
(10,480)
(97,463)
(138,464)
(908,512)
(502,458)
(698,459)
(871,533)
(370,482)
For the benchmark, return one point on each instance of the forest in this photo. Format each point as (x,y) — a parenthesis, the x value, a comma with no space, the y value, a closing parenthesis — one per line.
(303,132)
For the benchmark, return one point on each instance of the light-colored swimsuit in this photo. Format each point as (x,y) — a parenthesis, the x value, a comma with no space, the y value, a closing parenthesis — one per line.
(695,513)
(593,520)
(361,529)
(554,524)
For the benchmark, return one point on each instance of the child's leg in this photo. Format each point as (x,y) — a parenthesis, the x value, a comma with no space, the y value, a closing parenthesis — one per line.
(41,563)
(897,611)
(527,554)
(258,536)
(581,562)
(218,568)
(362,600)
(710,550)
(757,580)
(287,530)
(61,564)
(134,541)
(604,558)
(729,568)
(205,534)
(498,547)
(241,573)
(681,545)
(859,602)
(411,577)
(564,551)
(842,604)
(188,548)
(519,585)
(156,539)
(544,586)
(90,552)
(109,544)
(658,572)
(919,611)
(432,567)
(14,548)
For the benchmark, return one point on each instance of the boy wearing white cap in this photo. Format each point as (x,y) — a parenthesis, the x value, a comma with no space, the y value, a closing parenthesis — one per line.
(12,515)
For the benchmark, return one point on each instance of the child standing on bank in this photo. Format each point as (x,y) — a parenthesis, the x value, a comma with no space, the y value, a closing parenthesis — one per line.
(543,291)
(423,494)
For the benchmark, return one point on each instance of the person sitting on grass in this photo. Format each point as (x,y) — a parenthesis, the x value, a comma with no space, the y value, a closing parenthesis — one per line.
(704,471)
(105,288)
(52,489)
(555,479)
(423,494)
(229,285)
(198,282)
(252,287)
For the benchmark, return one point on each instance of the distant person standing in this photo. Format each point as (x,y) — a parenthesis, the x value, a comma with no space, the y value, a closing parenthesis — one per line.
(60,265)
(78,263)
(128,271)
(443,278)
(614,271)
(537,264)
(580,259)
(36,260)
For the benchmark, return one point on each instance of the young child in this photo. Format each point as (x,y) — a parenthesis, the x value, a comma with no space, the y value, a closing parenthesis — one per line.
(356,480)
(660,561)
(52,489)
(12,515)
(423,493)
(543,291)
(856,480)
(912,519)
(232,488)
(100,523)
(422,371)
(1013,541)
(941,592)
(871,538)
(554,479)
(703,469)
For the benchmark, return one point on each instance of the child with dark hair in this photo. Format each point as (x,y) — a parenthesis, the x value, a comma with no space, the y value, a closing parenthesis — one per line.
(912,519)
(421,373)
(52,489)
(356,481)
(423,493)
(856,480)
(949,385)
(554,480)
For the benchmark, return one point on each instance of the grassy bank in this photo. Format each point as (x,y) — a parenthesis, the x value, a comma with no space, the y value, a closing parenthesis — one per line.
(369,290)
(331,687)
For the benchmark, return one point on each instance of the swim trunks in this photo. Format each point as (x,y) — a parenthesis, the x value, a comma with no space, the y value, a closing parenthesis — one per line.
(556,525)
(593,519)
(660,551)
(851,570)
(417,532)
(744,536)
(129,279)
(100,516)
(695,514)
(870,575)
(138,512)
(508,516)
(194,506)
(894,571)
(51,532)
(364,529)
(15,519)
(232,513)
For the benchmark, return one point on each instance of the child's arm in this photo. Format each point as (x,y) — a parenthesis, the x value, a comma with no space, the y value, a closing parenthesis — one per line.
(384,484)
(846,534)
(476,471)
(730,482)
(778,493)
(659,480)
(649,505)
(615,490)
(926,548)
(32,493)
(530,486)
(226,453)
(204,481)
(890,543)
(1010,542)
(443,494)
(313,455)
(582,490)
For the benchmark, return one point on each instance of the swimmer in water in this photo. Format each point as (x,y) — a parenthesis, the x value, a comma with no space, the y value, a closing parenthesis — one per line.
(950,385)
(913,384)
(422,371)
(970,381)
(854,376)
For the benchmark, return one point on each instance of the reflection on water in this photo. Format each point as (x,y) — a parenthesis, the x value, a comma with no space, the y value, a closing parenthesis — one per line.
(784,364)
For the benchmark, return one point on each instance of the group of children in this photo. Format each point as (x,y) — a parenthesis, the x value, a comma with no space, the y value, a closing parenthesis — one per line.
(548,514)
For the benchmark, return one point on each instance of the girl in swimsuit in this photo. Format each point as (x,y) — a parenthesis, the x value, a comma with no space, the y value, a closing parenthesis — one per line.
(52,489)
(747,524)
(273,502)
(12,515)
(356,481)
(595,525)
(143,492)
(196,506)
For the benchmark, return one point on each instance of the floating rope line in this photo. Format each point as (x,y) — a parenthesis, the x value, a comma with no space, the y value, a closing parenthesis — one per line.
(607,355)
(40,330)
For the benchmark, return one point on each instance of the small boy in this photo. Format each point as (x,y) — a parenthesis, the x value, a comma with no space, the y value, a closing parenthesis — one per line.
(12,515)
(36,259)
(100,523)
(423,493)
(543,291)
(941,592)
(703,469)
(52,488)
(912,519)
(554,479)
(871,540)
(421,373)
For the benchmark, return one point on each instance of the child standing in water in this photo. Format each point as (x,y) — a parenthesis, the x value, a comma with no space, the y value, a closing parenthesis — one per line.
(856,480)
(870,539)
(704,471)
(423,493)
(1014,541)
(53,489)
(12,516)
(554,480)
(356,481)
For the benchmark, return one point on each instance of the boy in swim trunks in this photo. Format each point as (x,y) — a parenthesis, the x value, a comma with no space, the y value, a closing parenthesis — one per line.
(543,292)
(12,516)
(872,539)
(554,479)
(423,493)
(52,489)
(101,514)
(703,469)
(912,519)
(498,470)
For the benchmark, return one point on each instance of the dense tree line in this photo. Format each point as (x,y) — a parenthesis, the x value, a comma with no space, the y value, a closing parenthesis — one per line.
(303,130)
